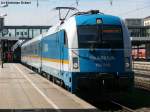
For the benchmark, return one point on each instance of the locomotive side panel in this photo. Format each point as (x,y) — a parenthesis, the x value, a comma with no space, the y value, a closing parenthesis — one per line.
(31,54)
(55,54)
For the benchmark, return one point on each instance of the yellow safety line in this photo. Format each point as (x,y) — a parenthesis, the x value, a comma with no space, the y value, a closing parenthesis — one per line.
(52,60)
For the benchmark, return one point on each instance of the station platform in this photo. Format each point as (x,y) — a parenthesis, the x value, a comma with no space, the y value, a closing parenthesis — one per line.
(21,88)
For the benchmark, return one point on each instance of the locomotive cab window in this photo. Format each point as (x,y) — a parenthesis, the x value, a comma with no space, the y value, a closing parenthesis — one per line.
(112,36)
(113,33)
(100,36)
(88,35)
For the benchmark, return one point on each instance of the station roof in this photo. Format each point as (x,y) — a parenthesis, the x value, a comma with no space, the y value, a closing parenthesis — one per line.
(138,27)
(148,17)
(140,40)
(26,27)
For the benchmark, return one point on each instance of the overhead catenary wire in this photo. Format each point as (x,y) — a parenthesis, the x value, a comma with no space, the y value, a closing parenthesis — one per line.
(134,10)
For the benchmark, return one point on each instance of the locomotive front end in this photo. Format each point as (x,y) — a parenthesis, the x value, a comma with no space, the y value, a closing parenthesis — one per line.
(102,59)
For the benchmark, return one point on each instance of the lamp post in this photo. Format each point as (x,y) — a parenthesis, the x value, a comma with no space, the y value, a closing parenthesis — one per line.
(1,29)
(111,2)
(37,4)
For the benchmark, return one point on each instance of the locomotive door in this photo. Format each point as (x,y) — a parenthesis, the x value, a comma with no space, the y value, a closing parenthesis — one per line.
(63,50)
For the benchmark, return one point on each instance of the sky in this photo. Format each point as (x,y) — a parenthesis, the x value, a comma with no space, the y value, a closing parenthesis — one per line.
(44,14)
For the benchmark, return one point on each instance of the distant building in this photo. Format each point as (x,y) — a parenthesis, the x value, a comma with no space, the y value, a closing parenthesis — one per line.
(147,24)
(134,22)
(147,21)
(11,32)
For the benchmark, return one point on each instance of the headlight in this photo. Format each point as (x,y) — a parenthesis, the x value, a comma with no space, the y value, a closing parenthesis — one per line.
(75,63)
(127,63)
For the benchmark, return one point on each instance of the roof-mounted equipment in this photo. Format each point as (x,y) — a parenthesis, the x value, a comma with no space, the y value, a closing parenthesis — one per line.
(89,12)
(64,8)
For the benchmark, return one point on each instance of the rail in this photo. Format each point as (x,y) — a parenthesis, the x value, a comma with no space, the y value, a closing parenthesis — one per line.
(124,108)
(142,74)
(143,66)
(141,83)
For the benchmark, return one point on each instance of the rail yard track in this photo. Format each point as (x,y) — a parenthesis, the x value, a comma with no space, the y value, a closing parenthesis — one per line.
(141,83)
(142,75)
(123,108)
(144,66)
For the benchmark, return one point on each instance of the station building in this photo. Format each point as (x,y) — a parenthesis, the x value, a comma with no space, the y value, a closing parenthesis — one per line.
(147,21)
(140,37)
(134,22)
(139,29)
(16,32)
(9,36)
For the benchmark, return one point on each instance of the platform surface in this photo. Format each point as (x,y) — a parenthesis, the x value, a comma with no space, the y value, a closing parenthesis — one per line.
(21,88)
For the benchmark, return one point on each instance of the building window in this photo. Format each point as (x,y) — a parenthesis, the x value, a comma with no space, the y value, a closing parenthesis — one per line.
(9,34)
(25,33)
(21,33)
(17,33)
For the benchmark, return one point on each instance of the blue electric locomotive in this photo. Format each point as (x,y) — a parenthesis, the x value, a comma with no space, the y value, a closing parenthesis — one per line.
(87,50)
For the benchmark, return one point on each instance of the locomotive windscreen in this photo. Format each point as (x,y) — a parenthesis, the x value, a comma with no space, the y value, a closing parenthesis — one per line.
(100,36)
(88,34)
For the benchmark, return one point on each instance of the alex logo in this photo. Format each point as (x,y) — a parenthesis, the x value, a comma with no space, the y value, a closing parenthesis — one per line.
(102,58)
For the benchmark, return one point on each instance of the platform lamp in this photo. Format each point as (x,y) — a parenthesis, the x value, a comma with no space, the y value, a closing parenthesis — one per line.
(37,3)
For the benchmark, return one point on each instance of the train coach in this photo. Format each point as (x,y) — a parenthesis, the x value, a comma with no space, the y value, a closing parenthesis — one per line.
(88,50)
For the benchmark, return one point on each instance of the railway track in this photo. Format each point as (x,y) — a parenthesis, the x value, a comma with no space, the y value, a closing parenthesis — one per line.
(141,62)
(141,66)
(142,75)
(105,103)
(140,83)
(113,106)
(123,108)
